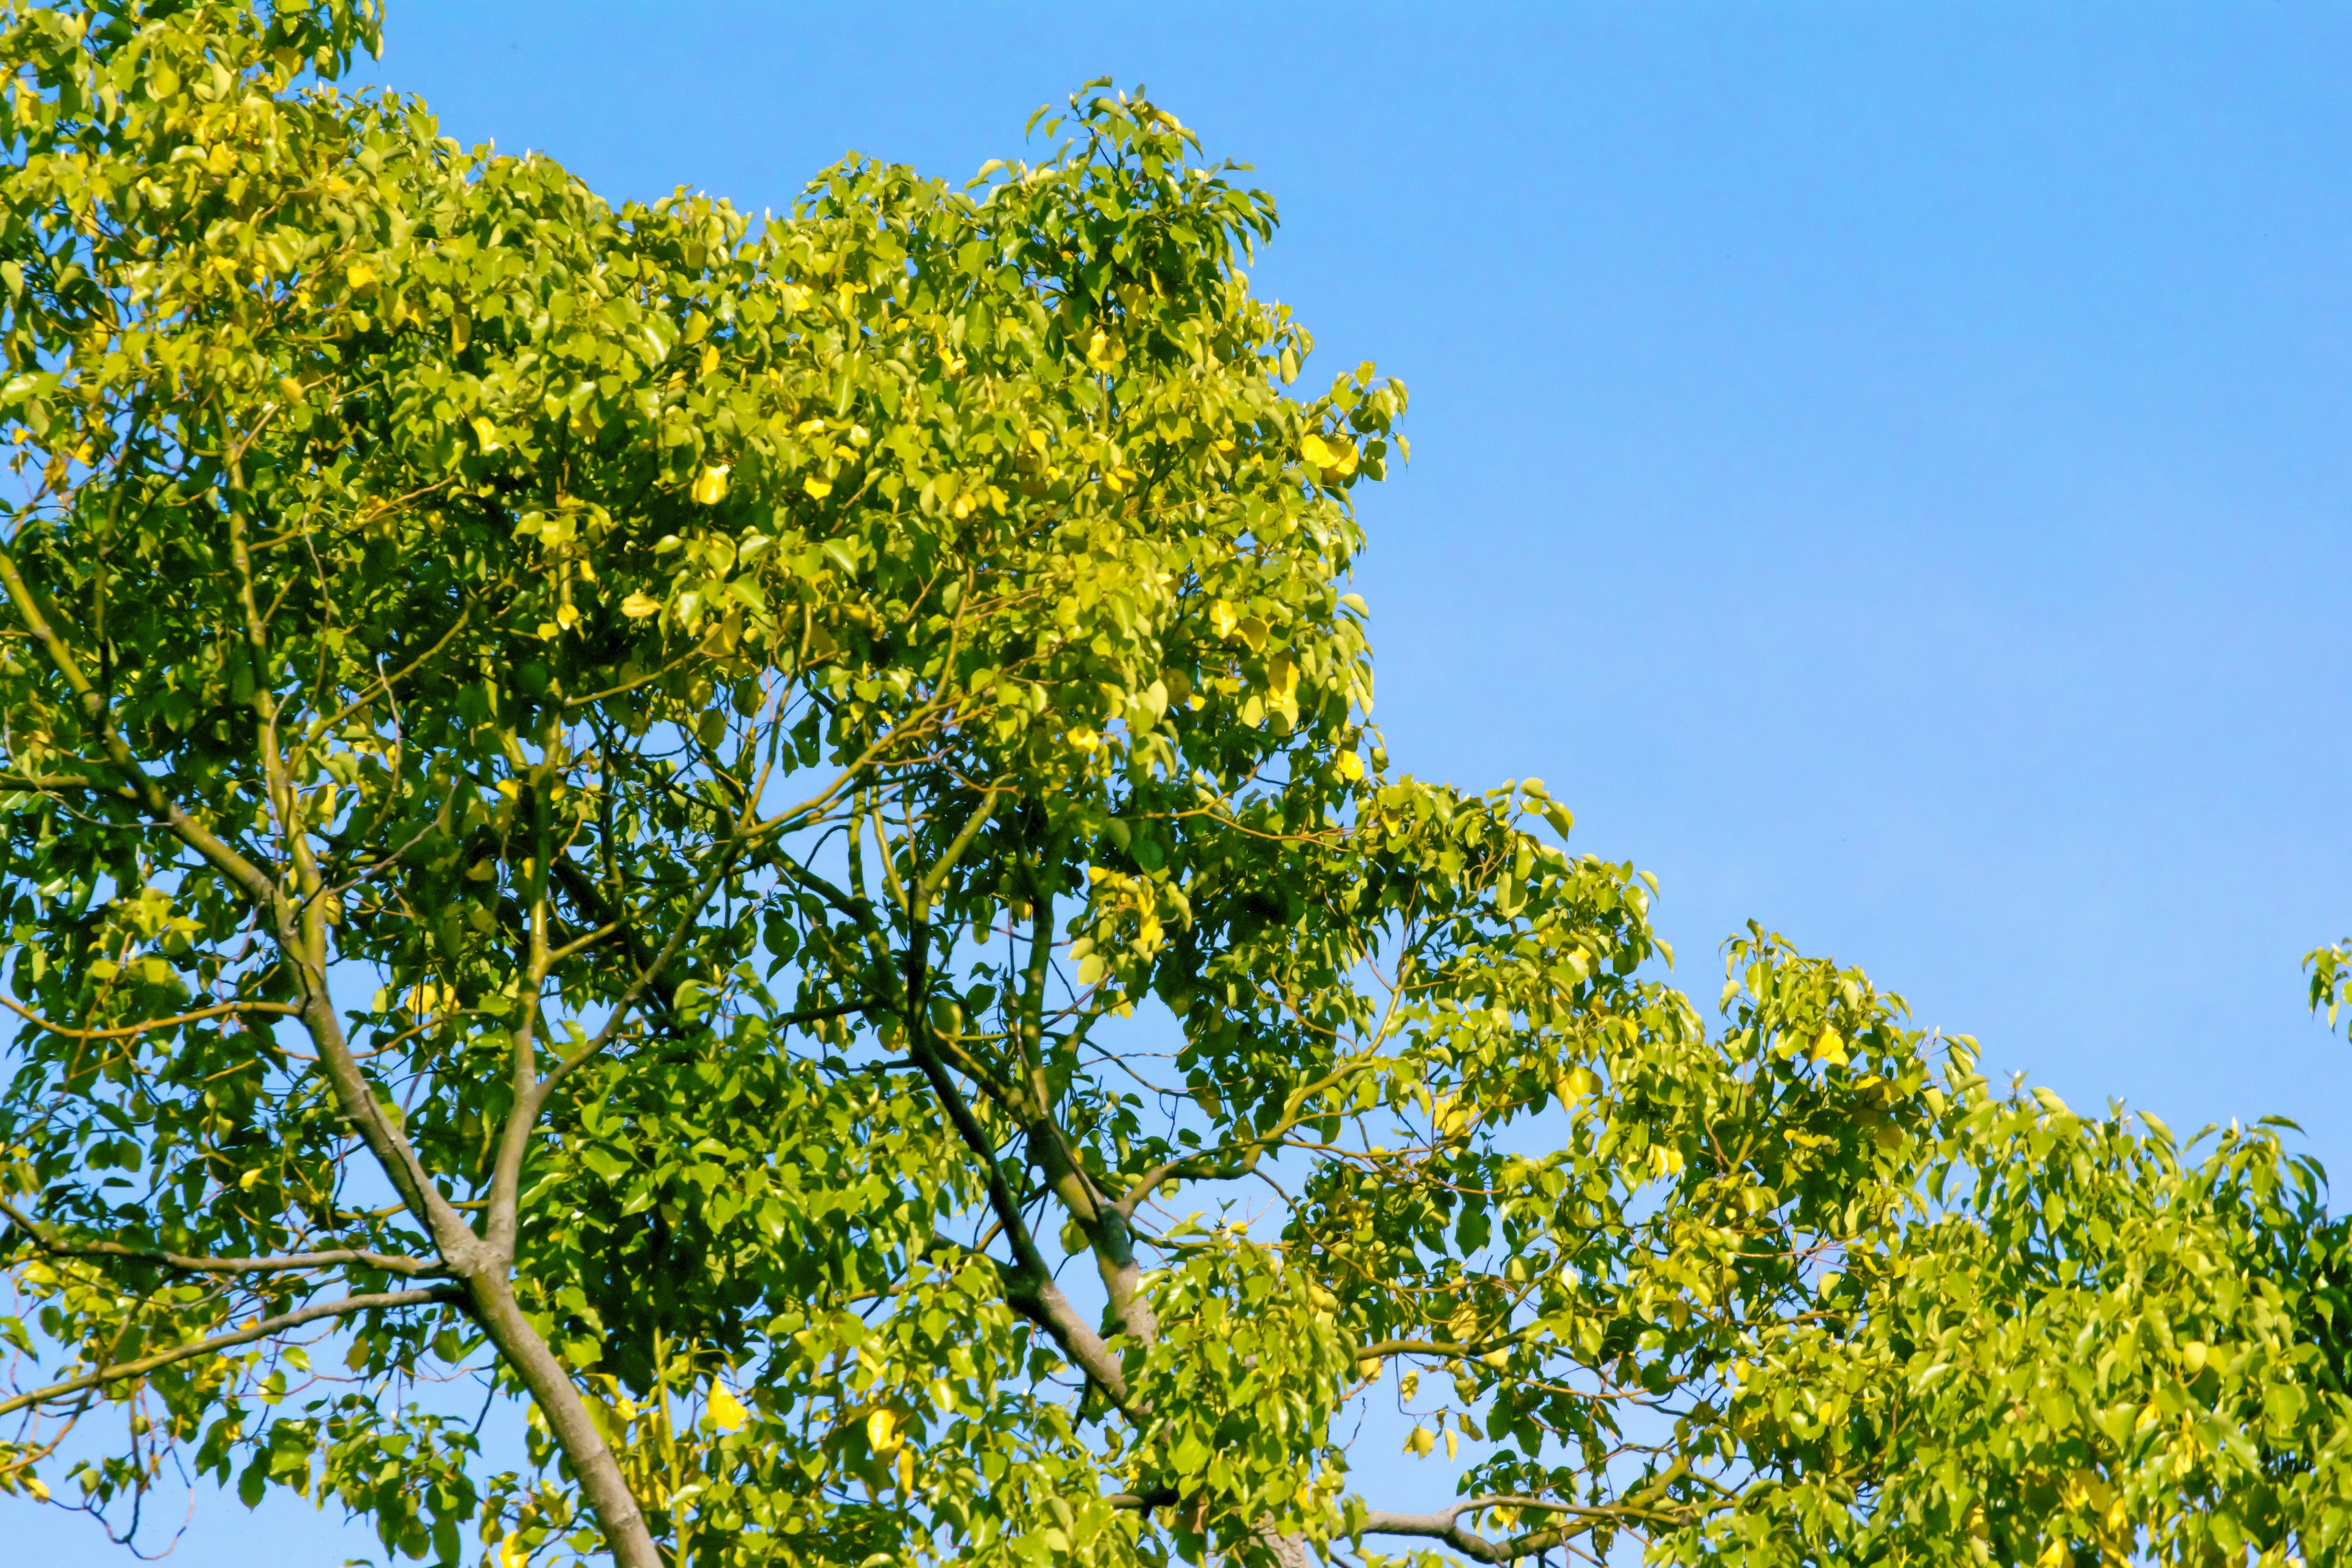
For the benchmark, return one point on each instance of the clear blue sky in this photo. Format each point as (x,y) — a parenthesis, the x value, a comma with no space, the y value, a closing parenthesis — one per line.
(1886,466)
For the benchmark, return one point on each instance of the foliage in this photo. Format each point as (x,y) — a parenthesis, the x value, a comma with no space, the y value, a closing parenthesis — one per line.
(2331,971)
(671,820)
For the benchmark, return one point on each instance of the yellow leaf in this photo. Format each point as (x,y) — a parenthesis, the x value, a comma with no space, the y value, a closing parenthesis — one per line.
(511,1553)
(1829,1048)
(1333,457)
(905,1469)
(636,607)
(486,433)
(1422,1441)
(962,508)
(1348,766)
(2088,1486)
(727,1412)
(1084,738)
(710,488)
(1282,676)
(817,489)
(1103,352)
(1453,1444)
(1579,1083)
(882,1431)
(566,616)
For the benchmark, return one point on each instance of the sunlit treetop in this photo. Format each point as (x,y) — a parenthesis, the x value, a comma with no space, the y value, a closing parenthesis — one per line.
(762,839)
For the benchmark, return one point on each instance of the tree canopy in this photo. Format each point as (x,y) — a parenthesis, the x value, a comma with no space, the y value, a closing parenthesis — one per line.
(762,839)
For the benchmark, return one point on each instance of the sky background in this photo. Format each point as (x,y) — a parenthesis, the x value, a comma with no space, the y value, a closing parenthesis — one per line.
(1885,467)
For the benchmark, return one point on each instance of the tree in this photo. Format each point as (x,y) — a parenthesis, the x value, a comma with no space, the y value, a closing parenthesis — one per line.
(688,825)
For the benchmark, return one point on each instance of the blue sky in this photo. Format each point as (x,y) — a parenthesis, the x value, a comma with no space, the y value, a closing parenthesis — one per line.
(1886,467)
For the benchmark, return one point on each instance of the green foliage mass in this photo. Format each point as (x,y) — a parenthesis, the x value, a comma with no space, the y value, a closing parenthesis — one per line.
(687,822)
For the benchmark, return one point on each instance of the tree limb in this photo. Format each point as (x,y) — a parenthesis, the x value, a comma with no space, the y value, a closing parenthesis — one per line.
(1028,1284)
(389,1262)
(226,1009)
(1446,1525)
(244,1336)
(256,883)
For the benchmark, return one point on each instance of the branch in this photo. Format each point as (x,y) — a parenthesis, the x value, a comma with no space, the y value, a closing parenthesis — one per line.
(1028,1283)
(584,893)
(256,883)
(42,782)
(937,877)
(1439,1347)
(1241,1157)
(244,1336)
(527,1111)
(1446,1526)
(1194,1166)
(282,1009)
(285,1262)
